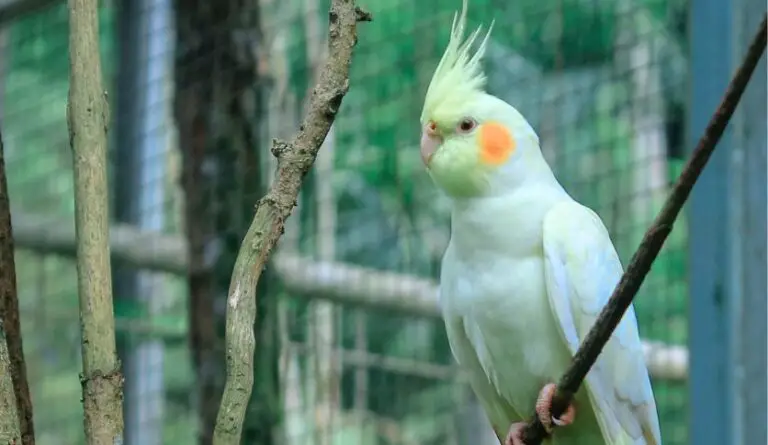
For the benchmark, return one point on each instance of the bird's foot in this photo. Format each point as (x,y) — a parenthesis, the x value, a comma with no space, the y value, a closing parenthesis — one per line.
(544,410)
(515,435)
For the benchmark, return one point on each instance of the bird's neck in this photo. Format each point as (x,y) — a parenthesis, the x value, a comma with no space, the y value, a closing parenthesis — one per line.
(515,207)
(530,170)
(503,223)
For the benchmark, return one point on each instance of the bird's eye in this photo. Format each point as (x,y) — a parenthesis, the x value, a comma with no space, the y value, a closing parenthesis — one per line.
(432,126)
(467,124)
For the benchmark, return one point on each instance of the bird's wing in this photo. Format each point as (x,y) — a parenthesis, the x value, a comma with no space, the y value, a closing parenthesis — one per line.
(582,269)
(500,412)
(470,349)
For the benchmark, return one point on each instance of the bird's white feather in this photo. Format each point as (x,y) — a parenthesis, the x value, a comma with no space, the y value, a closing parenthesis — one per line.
(582,269)
(496,310)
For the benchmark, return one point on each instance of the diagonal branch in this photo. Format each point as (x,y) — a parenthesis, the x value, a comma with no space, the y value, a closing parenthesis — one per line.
(651,244)
(294,159)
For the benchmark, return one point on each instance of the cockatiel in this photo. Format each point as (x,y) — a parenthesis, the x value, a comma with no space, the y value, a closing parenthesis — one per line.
(527,269)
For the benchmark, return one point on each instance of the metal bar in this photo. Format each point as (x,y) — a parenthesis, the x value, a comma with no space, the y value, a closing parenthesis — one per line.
(398,365)
(710,268)
(748,240)
(335,281)
(143,249)
(144,44)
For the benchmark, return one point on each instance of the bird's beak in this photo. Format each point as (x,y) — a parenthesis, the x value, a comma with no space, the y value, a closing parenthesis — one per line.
(430,142)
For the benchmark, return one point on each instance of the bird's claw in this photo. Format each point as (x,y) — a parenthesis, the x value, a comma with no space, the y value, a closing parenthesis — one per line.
(544,409)
(515,435)
(544,412)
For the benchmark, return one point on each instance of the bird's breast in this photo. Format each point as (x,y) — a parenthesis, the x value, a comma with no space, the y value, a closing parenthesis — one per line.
(503,300)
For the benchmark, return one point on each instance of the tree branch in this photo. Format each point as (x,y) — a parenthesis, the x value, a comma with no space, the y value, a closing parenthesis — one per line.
(651,244)
(9,418)
(87,116)
(294,159)
(9,312)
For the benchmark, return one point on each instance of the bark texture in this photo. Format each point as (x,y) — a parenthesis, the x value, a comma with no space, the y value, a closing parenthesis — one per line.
(219,109)
(294,159)
(9,312)
(9,418)
(88,116)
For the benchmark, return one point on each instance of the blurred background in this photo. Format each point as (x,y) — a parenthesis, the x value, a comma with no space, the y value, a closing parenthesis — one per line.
(350,347)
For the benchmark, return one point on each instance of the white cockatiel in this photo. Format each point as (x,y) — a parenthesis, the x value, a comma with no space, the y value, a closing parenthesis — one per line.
(527,269)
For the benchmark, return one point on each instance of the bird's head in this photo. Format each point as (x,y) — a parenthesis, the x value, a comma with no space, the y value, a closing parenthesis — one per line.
(472,143)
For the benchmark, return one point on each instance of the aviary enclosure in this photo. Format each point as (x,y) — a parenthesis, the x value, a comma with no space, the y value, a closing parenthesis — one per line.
(350,346)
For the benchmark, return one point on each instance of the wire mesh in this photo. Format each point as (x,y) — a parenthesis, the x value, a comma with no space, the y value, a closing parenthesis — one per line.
(350,346)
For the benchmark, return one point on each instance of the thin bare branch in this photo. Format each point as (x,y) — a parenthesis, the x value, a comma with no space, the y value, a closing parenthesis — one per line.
(294,159)
(651,244)
(87,115)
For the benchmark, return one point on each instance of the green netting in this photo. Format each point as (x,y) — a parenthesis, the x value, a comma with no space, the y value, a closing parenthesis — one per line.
(602,82)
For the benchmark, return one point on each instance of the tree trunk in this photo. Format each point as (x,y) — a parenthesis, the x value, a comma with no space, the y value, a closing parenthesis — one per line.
(323,378)
(9,418)
(10,421)
(88,116)
(9,308)
(282,120)
(218,111)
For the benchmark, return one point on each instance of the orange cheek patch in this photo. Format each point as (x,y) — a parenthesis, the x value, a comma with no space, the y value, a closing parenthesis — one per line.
(496,143)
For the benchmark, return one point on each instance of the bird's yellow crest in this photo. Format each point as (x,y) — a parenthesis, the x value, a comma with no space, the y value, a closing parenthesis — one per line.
(459,73)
